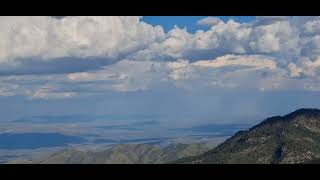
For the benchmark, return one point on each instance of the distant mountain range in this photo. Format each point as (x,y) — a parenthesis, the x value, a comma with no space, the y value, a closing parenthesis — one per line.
(289,139)
(122,154)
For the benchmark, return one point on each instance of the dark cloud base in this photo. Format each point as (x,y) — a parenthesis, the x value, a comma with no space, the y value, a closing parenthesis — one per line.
(55,66)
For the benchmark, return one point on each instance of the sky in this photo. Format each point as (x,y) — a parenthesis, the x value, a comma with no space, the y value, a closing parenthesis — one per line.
(190,22)
(183,70)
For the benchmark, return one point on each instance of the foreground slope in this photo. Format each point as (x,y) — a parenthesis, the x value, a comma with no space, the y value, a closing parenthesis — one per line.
(293,138)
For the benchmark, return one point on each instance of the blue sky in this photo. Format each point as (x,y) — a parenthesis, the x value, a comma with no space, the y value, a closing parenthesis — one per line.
(231,71)
(190,22)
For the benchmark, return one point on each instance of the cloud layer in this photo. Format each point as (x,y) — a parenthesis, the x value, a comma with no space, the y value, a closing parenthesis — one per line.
(38,41)
(88,55)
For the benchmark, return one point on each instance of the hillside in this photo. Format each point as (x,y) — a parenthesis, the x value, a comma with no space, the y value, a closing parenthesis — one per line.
(122,154)
(289,139)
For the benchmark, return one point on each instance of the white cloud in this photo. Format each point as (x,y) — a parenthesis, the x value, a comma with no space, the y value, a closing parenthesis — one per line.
(272,53)
(123,76)
(226,72)
(4,91)
(180,70)
(270,19)
(312,27)
(47,38)
(43,94)
(286,38)
(232,60)
(294,70)
(176,42)
(230,71)
(278,37)
(209,21)
(224,38)
(311,48)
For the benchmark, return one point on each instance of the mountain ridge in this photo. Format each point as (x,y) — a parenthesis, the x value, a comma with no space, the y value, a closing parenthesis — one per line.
(292,138)
(121,154)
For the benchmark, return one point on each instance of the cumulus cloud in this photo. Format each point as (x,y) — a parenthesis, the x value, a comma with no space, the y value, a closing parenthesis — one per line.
(180,70)
(41,39)
(286,38)
(280,38)
(312,26)
(93,42)
(83,55)
(224,38)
